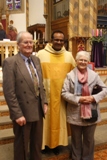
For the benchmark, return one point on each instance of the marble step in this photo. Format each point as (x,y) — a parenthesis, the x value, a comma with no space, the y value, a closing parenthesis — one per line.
(1,89)
(2,100)
(103,106)
(5,123)
(104,115)
(3,108)
(6,136)
(7,131)
(4,111)
(6,151)
(5,119)
(1,81)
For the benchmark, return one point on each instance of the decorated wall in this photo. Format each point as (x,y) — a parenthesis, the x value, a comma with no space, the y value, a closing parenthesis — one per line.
(82,18)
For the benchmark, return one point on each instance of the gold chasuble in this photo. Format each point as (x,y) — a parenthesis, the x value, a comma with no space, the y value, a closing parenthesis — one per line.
(55,66)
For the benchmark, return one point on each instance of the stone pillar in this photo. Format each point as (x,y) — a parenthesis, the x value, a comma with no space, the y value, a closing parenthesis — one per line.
(46,16)
(92,16)
(73,20)
(7,20)
(0,14)
(45,7)
(27,13)
(82,18)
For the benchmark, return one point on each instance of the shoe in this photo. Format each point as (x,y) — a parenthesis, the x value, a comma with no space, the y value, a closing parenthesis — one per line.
(43,151)
(56,151)
(46,150)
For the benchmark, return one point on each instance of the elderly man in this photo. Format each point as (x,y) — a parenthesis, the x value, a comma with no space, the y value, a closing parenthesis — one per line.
(25,96)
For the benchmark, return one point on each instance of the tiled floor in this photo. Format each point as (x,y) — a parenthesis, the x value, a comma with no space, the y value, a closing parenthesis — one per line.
(7,153)
(101,155)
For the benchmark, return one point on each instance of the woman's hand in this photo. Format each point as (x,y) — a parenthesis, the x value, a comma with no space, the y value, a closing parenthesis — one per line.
(87,99)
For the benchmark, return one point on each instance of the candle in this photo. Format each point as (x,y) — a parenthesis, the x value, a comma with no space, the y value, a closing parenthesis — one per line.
(97,32)
(100,32)
(35,35)
(43,35)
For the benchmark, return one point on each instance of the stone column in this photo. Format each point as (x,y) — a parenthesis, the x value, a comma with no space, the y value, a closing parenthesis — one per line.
(82,18)
(92,16)
(46,16)
(73,20)
(7,19)
(0,14)
(27,13)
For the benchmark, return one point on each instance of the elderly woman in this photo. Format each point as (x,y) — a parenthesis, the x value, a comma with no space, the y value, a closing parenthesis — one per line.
(11,33)
(77,91)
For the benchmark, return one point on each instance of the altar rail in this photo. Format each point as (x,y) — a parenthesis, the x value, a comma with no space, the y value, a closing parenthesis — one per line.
(7,49)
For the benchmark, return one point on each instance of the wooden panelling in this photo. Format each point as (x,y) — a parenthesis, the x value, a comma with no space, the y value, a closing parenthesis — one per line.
(39,28)
(61,24)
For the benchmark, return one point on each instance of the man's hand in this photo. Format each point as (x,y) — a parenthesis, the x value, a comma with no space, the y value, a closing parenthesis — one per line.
(21,121)
(45,108)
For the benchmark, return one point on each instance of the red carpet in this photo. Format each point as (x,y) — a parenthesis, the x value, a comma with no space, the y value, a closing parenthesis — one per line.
(100,155)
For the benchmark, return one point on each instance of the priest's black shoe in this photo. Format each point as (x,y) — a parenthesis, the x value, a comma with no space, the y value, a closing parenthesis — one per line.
(46,150)
(56,151)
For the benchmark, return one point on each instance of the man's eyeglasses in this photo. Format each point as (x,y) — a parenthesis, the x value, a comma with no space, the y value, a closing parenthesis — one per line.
(27,42)
(58,40)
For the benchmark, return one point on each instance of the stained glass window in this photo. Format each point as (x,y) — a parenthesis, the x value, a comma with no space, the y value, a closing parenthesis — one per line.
(13,4)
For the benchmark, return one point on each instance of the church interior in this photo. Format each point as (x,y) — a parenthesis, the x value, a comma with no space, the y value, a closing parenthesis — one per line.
(84,24)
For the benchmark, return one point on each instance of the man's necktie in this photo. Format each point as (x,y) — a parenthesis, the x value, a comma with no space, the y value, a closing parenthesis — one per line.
(34,77)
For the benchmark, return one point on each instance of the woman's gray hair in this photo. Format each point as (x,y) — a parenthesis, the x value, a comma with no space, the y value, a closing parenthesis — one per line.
(20,36)
(83,53)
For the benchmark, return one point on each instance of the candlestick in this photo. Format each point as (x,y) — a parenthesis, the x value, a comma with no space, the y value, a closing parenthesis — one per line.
(97,32)
(35,35)
(43,35)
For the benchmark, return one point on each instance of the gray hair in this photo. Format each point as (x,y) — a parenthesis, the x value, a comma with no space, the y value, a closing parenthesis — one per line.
(83,53)
(20,36)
